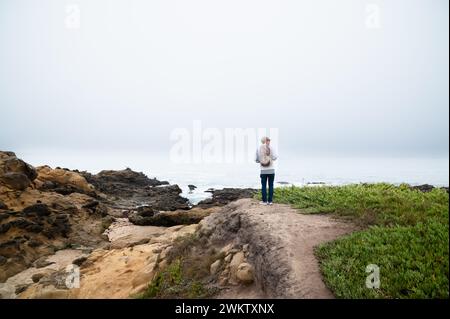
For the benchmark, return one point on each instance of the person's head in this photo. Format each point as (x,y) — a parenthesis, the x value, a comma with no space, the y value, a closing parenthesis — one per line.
(265,140)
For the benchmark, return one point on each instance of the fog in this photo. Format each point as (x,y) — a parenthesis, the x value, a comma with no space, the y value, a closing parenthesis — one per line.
(346,77)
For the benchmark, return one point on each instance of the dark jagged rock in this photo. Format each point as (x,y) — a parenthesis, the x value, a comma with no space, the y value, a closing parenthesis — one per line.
(91,205)
(423,188)
(37,209)
(166,219)
(224,196)
(34,243)
(20,222)
(3,206)
(36,277)
(146,211)
(4,228)
(97,208)
(79,261)
(127,188)
(166,198)
(42,262)
(142,217)
(2,260)
(21,288)
(39,219)
(121,183)
(34,228)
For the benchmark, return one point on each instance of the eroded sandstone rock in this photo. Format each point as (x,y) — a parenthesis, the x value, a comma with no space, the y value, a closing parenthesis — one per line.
(35,223)
(45,212)
(245,273)
(62,181)
(15,174)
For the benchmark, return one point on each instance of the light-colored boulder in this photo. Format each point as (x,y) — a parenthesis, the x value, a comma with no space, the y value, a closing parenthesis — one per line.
(237,259)
(226,249)
(64,177)
(228,258)
(245,273)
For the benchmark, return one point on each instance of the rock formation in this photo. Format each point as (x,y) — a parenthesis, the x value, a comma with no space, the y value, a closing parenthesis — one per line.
(427,188)
(36,222)
(127,189)
(15,174)
(46,212)
(221,197)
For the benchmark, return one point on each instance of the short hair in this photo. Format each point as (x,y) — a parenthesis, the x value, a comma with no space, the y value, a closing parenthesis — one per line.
(264,139)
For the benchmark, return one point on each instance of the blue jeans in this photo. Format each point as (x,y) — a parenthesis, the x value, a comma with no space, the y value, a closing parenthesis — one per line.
(264,179)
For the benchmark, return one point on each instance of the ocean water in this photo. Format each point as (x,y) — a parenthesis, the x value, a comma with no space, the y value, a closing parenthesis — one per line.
(292,169)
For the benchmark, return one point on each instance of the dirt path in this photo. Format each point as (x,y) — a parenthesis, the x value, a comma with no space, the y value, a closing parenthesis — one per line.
(282,242)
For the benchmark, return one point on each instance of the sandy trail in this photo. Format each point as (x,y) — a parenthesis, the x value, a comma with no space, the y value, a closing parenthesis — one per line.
(282,242)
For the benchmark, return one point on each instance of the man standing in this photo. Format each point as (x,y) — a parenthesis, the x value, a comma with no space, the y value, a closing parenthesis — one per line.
(265,156)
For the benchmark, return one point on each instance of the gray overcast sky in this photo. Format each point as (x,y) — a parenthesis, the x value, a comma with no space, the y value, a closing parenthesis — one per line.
(136,69)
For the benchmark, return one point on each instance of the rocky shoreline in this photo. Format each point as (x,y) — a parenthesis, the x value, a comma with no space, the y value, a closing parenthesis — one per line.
(119,225)
(44,211)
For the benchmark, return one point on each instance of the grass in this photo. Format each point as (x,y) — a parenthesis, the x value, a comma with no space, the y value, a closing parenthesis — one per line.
(406,234)
(187,273)
(172,282)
